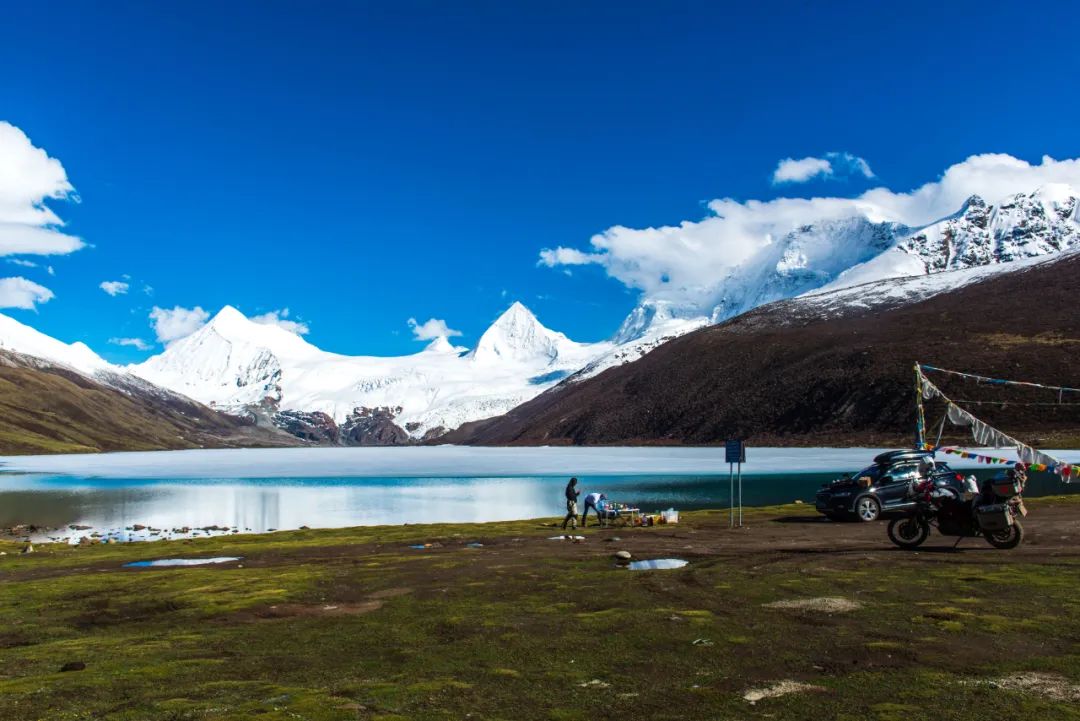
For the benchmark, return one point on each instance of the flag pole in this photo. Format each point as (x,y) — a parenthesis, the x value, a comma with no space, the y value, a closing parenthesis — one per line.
(920,416)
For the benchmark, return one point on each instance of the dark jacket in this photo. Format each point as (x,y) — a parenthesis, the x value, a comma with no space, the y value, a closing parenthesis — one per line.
(572,492)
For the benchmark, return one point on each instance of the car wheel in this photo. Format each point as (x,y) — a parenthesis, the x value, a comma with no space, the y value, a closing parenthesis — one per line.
(867,509)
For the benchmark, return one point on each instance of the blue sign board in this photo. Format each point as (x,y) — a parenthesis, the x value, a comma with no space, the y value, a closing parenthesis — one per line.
(735,451)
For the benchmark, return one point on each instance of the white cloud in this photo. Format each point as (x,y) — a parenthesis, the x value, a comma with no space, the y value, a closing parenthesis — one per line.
(688,263)
(172,325)
(22,293)
(29,177)
(431,329)
(137,343)
(114,287)
(848,164)
(790,170)
(50,270)
(280,319)
(22,263)
(833,165)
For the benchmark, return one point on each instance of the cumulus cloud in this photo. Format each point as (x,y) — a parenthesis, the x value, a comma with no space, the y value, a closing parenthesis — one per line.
(22,263)
(28,178)
(280,319)
(790,170)
(22,293)
(689,262)
(114,287)
(833,165)
(137,343)
(172,325)
(431,329)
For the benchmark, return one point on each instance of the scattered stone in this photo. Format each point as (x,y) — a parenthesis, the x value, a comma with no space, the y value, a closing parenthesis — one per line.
(28,549)
(138,527)
(781,688)
(613,539)
(1050,685)
(824,604)
(622,557)
(797,502)
(73,666)
(595,683)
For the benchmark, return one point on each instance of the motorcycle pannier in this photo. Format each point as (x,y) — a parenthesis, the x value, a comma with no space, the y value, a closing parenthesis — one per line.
(994,518)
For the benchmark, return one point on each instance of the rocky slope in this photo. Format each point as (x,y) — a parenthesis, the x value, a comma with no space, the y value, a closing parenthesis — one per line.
(47,407)
(830,368)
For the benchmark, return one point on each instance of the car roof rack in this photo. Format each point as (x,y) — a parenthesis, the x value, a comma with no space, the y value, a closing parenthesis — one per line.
(894,456)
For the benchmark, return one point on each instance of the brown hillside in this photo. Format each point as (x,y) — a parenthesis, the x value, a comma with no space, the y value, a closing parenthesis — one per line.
(50,409)
(779,376)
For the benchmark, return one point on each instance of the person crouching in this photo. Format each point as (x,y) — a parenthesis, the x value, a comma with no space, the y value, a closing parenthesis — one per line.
(595,501)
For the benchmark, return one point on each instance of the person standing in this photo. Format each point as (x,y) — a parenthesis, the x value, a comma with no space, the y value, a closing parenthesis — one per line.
(572,494)
(594,501)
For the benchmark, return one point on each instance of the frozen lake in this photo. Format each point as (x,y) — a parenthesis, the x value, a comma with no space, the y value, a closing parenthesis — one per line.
(263,489)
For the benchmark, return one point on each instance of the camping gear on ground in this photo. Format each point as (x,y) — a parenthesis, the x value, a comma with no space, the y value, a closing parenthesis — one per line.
(619,513)
(995,519)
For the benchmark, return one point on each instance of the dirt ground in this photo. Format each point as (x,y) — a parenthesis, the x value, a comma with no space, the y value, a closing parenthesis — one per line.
(791,616)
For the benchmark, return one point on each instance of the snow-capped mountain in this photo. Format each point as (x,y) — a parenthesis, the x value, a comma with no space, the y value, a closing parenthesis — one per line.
(235,364)
(856,251)
(19,338)
(242,367)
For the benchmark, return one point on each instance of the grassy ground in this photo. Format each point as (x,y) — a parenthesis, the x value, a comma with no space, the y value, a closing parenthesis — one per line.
(354,624)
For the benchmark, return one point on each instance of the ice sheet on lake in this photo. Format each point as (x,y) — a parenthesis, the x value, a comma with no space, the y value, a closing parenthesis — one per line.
(448,462)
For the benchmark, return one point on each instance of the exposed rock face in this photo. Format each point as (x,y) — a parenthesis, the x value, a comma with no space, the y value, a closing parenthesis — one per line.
(1024,225)
(373,427)
(363,427)
(313,427)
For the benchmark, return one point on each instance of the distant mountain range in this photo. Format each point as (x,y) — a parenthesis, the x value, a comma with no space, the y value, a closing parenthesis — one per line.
(263,375)
(834,368)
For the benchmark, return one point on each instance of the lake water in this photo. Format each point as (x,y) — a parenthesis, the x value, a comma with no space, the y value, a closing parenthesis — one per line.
(262,490)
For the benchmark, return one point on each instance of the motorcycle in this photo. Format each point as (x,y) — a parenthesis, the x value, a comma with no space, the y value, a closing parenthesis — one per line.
(995,515)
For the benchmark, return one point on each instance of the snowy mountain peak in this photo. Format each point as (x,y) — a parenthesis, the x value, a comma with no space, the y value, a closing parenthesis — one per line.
(19,338)
(1020,226)
(227,316)
(518,336)
(233,326)
(443,345)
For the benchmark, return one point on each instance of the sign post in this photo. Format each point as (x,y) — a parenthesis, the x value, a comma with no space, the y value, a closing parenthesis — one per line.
(734,453)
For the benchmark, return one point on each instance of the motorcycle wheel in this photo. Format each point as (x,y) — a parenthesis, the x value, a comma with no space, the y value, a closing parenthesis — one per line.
(908,532)
(1009,538)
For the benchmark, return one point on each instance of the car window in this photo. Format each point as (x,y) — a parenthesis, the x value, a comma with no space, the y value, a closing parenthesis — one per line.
(904,472)
(873,471)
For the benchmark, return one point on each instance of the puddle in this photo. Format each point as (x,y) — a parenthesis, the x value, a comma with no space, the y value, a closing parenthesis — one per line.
(567,538)
(474,545)
(164,562)
(657,564)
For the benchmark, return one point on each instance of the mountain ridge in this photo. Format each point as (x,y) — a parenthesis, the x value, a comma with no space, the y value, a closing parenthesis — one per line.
(806,372)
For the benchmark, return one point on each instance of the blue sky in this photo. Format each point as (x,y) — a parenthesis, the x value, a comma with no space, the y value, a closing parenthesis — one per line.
(364,163)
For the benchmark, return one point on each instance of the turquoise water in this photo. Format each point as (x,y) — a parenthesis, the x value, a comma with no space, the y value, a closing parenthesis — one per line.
(172,507)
